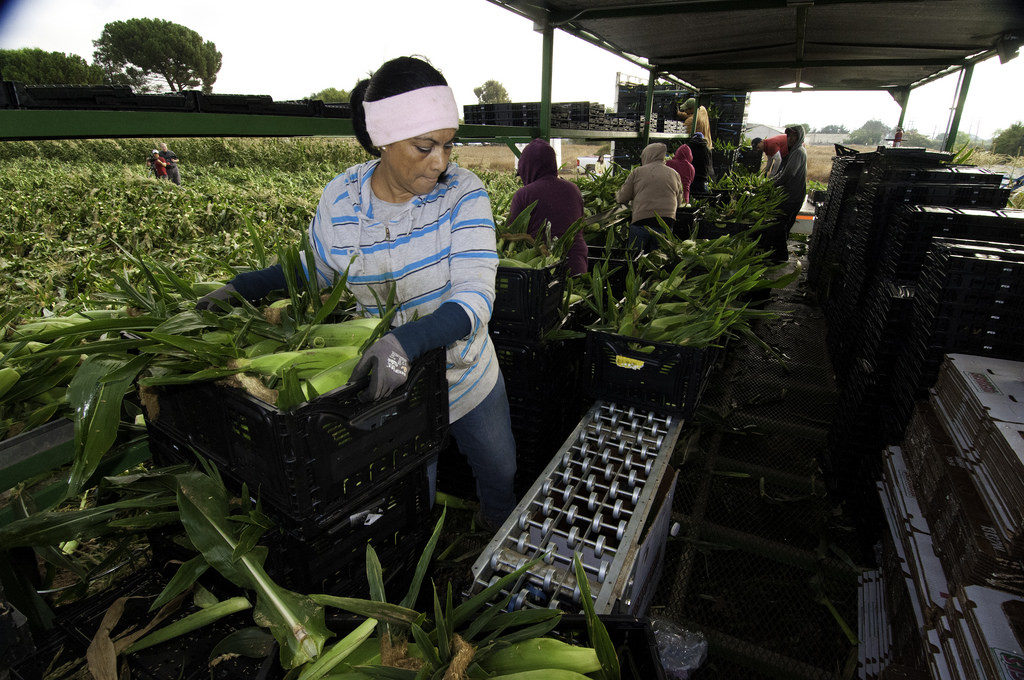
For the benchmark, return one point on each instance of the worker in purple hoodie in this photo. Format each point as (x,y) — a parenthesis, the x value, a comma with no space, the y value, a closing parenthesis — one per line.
(559,201)
(682,163)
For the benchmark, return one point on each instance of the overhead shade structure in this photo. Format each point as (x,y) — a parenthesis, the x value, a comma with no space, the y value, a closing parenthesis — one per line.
(747,45)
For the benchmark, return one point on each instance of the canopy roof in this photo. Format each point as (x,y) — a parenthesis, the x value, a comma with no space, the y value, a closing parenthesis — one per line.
(766,44)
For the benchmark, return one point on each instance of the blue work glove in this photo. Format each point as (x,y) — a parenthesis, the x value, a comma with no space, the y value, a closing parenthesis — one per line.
(209,301)
(388,366)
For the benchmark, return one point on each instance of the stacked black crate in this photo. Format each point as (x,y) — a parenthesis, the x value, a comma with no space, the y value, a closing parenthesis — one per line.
(871,287)
(831,219)
(970,299)
(333,474)
(728,108)
(541,373)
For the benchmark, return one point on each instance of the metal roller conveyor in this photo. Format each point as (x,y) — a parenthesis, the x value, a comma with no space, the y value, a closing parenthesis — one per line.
(594,499)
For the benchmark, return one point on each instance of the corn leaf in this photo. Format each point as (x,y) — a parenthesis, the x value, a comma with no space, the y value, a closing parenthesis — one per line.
(599,638)
(203,617)
(338,652)
(51,528)
(424,562)
(383,611)
(295,621)
(182,580)
(252,642)
(95,394)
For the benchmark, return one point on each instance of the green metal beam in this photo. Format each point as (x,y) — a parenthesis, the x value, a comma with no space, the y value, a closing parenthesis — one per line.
(954,124)
(515,149)
(547,53)
(978,58)
(806,63)
(649,108)
(902,96)
(629,11)
(64,124)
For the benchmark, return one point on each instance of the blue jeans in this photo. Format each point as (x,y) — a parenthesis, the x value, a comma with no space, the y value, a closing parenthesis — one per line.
(484,437)
(641,239)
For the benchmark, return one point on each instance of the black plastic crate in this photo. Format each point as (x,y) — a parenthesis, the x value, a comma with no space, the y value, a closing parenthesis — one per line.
(633,638)
(394,519)
(315,460)
(527,301)
(657,375)
(712,230)
(687,217)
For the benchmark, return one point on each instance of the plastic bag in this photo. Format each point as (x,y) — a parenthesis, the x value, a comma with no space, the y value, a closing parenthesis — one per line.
(682,651)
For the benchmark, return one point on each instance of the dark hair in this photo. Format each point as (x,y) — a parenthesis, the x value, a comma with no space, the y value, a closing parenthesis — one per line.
(754,142)
(397,76)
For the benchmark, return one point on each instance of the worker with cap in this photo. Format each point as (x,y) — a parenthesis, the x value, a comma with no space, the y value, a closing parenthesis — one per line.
(775,149)
(157,164)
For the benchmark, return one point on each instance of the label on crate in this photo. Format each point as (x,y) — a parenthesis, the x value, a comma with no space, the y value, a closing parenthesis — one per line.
(628,362)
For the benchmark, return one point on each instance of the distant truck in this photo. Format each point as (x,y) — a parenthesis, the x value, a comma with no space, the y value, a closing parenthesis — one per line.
(593,164)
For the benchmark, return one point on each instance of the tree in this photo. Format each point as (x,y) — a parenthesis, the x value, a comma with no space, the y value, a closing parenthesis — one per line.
(962,139)
(33,66)
(871,132)
(331,94)
(915,138)
(834,130)
(1009,141)
(139,52)
(491,92)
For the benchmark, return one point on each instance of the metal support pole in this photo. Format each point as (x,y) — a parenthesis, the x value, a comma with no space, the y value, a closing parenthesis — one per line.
(903,111)
(548,32)
(515,149)
(954,124)
(649,107)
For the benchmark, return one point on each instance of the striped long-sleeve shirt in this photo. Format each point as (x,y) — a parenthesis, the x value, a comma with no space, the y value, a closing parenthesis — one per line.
(441,248)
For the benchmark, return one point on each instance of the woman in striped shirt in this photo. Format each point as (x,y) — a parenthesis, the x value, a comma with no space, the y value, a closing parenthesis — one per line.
(415,222)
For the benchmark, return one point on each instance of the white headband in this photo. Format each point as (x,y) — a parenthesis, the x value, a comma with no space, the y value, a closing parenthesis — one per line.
(412,113)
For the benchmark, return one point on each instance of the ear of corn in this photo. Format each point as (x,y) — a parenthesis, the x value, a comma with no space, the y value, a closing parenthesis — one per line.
(541,653)
(351,332)
(330,379)
(8,377)
(306,362)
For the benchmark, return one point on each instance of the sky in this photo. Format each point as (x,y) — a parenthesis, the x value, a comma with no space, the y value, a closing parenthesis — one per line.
(333,43)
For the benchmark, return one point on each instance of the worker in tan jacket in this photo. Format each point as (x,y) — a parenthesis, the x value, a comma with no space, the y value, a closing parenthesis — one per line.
(656,191)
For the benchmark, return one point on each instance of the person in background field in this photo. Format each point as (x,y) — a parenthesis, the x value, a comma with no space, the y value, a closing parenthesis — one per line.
(792,179)
(897,138)
(559,201)
(775,150)
(655,190)
(157,164)
(171,159)
(703,169)
(412,222)
(682,162)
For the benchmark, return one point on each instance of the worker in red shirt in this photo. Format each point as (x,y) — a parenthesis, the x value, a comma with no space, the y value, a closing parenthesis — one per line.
(775,149)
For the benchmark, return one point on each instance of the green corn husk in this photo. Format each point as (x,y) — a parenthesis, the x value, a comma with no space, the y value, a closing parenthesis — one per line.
(331,379)
(8,378)
(539,654)
(351,332)
(307,362)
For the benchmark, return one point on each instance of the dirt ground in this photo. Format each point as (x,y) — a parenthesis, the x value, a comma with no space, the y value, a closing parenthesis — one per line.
(498,157)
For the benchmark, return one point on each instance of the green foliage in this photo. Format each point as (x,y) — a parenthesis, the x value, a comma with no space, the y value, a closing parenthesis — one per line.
(331,94)
(138,52)
(33,66)
(834,130)
(871,132)
(69,202)
(1009,141)
(915,138)
(491,92)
